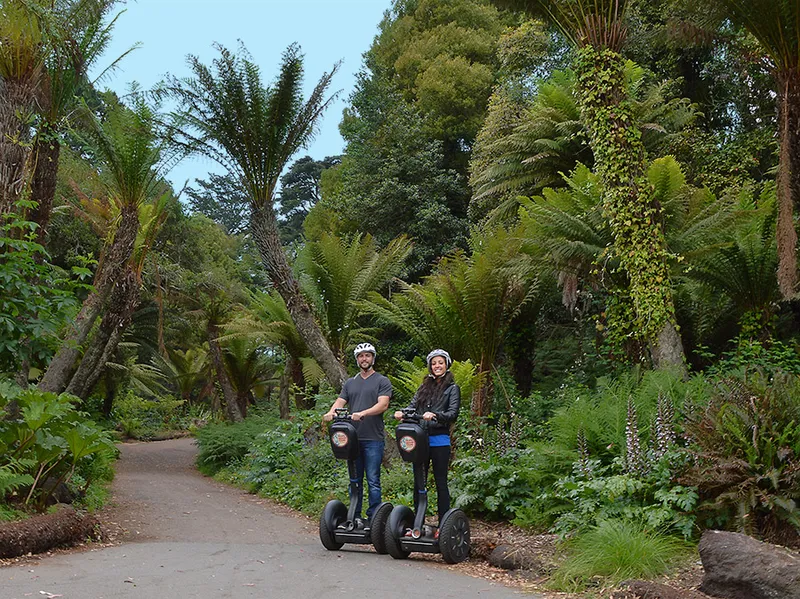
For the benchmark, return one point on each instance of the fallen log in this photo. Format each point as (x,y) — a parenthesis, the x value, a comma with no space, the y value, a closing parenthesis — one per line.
(37,534)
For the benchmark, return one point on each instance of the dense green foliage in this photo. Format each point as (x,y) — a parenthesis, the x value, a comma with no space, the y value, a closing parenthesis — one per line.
(567,204)
(45,442)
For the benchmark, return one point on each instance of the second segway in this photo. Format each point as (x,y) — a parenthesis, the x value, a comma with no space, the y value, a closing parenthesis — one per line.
(338,524)
(406,530)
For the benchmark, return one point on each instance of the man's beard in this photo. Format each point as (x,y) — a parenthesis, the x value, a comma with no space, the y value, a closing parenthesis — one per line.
(367,367)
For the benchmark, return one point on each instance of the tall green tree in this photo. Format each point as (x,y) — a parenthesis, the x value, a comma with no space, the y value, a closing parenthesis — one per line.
(23,48)
(598,32)
(419,102)
(134,157)
(301,190)
(228,114)
(467,305)
(223,199)
(84,32)
(776,25)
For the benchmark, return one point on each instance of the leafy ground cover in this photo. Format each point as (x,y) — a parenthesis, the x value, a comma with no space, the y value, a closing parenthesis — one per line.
(625,475)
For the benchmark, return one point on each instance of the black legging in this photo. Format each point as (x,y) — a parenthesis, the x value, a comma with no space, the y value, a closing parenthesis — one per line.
(440,458)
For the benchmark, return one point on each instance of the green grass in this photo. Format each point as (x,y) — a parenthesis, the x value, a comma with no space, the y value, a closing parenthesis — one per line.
(617,550)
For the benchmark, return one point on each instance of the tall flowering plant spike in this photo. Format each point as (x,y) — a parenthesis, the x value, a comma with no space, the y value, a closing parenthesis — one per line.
(634,458)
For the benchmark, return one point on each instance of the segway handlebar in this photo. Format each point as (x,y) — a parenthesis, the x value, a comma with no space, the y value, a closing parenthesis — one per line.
(411,415)
(342,414)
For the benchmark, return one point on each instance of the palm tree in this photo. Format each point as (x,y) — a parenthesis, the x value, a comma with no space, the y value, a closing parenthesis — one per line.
(596,28)
(467,305)
(776,25)
(186,369)
(122,303)
(339,273)
(267,322)
(249,367)
(23,48)
(134,159)
(83,37)
(213,308)
(253,131)
(567,235)
(544,138)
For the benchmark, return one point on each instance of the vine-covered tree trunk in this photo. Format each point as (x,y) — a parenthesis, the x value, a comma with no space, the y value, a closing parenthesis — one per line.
(59,371)
(788,182)
(635,217)
(228,393)
(265,233)
(43,184)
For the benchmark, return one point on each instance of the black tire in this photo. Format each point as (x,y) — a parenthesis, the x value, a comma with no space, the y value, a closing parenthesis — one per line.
(400,520)
(454,541)
(378,527)
(332,516)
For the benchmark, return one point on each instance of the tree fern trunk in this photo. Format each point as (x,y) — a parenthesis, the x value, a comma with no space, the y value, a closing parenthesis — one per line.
(283,393)
(635,217)
(228,393)
(481,397)
(121,305)
(43,183)
(265,233)
(16,100)
(58,373)
(788,182)
(298,383)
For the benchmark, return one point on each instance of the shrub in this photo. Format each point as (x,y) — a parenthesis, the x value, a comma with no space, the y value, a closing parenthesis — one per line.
(607,493)
(746,442)
(601,415)
(489,486)
(46,441)
(140,418)
(223,445)
(617,549)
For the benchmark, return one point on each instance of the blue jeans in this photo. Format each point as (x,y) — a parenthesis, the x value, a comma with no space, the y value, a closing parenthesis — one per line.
(370,456)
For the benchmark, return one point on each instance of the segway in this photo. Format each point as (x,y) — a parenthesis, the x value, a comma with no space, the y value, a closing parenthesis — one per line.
(406,531)
(338,524)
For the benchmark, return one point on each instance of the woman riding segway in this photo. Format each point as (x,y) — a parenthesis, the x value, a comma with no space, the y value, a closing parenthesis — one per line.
(428,419)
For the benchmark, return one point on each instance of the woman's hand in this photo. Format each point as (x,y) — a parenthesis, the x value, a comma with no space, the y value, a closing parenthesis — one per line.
(398,415)
(429,416)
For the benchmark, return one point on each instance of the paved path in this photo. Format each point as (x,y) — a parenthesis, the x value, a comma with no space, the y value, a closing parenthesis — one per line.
(192,537)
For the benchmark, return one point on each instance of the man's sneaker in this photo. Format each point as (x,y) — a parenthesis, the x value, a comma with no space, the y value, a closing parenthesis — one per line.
(409,533)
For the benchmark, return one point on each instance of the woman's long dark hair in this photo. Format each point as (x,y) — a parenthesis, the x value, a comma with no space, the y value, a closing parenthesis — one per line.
(432,388)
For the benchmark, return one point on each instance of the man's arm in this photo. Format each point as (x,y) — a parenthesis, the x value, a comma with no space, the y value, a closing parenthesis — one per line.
(339,403)
(379,408)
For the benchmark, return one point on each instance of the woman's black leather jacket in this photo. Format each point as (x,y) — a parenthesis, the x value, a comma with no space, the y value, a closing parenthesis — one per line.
(445,407)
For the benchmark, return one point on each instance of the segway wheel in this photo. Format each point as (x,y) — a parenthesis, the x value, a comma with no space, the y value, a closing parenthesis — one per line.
(400,520)
(378,527)
(454,541)
(333,515)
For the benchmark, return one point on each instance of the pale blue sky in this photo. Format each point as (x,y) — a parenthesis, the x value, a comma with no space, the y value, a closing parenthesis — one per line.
(327,31)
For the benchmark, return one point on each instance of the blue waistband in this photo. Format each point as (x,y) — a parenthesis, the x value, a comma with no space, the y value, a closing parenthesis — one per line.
(439,440)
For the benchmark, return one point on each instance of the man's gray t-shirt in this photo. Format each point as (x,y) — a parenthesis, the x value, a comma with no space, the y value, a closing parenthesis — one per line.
(361,394)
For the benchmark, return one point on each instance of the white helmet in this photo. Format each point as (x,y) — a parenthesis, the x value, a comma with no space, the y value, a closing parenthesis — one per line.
(443,354)
(365,347)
